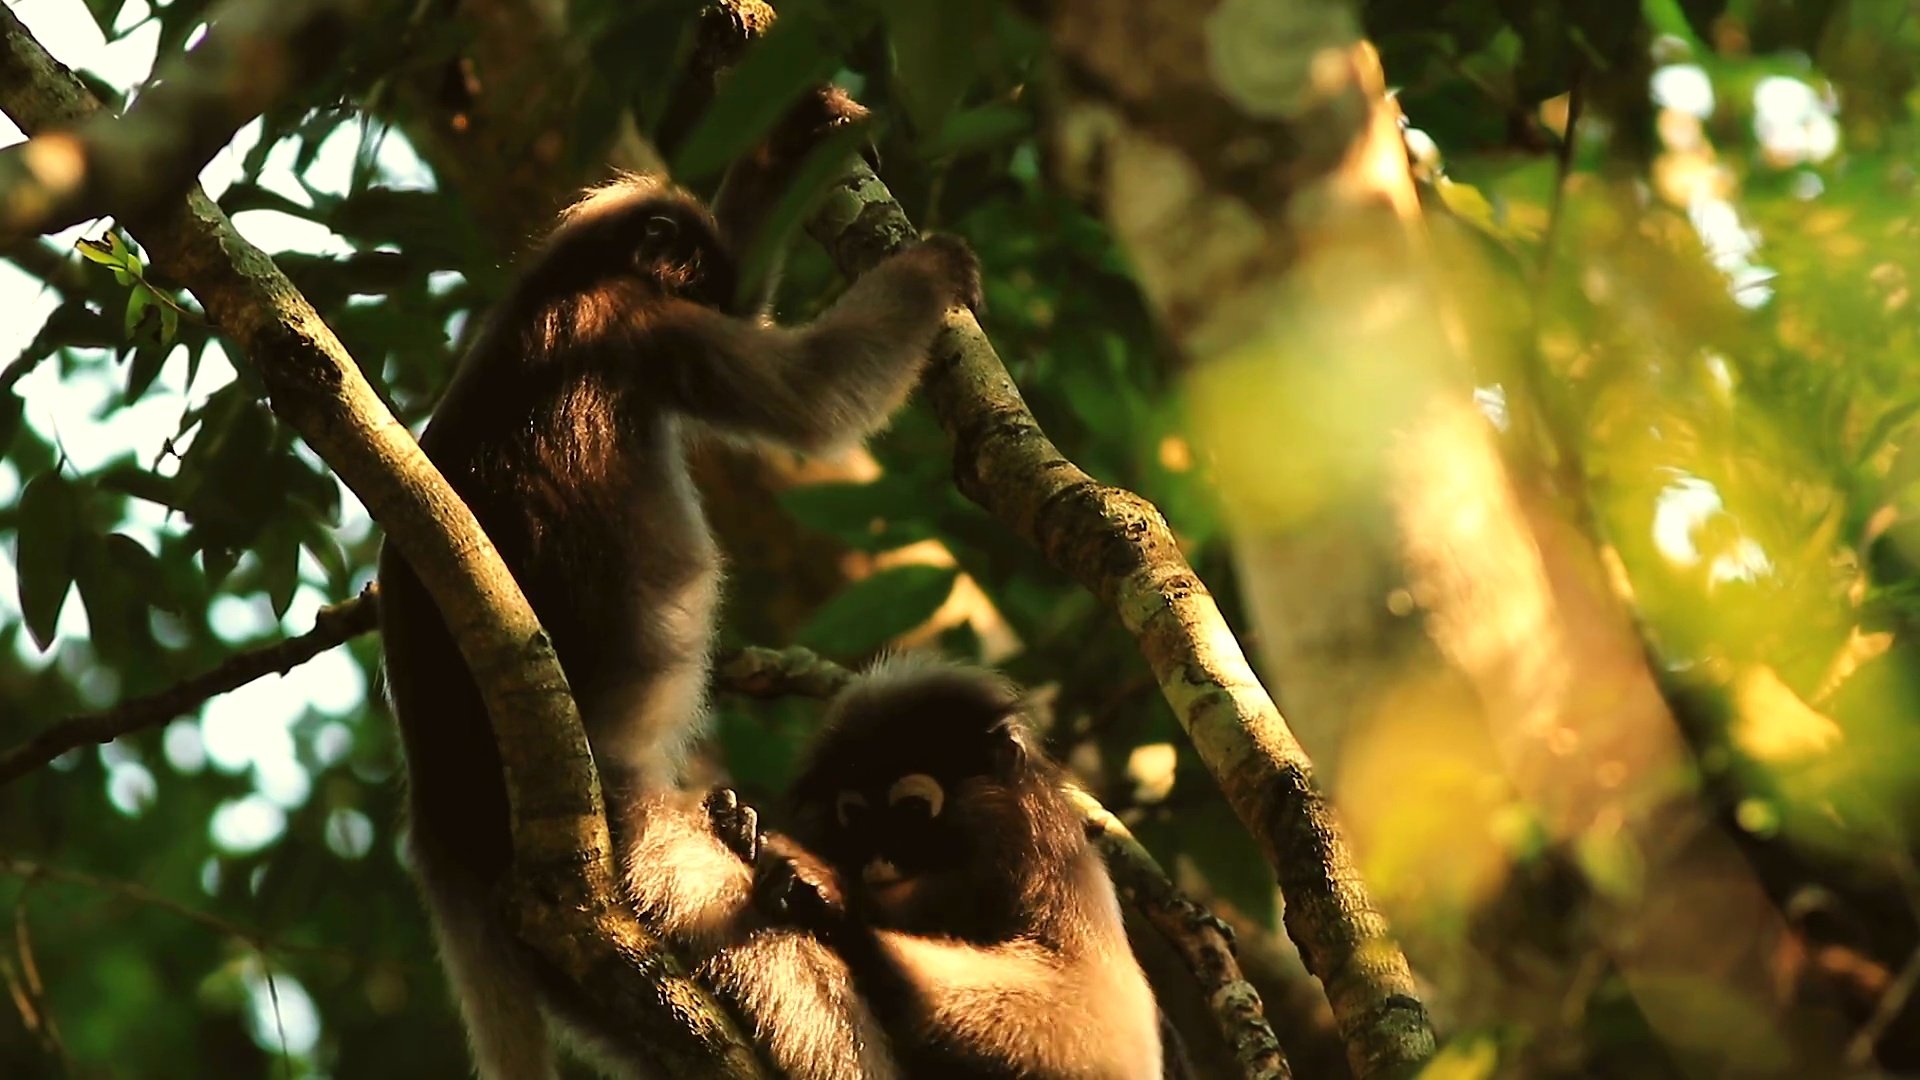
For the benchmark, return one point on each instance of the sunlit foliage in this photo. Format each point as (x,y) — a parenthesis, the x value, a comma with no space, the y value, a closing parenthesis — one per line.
(1696,327)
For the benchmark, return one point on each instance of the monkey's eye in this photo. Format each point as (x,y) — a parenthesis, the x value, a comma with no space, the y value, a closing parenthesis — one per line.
(660,229)
(918,786)
(848,806)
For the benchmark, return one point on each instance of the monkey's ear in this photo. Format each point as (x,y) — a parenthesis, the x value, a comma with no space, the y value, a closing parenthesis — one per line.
(661,229)
(1007,743)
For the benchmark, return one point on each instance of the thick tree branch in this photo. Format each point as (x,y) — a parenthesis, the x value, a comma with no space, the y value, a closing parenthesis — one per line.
(254,51)
(752,671)
(334,624)
(500,119)
(563,877)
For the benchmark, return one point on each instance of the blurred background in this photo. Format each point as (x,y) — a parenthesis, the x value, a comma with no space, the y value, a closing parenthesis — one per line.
(1677,240)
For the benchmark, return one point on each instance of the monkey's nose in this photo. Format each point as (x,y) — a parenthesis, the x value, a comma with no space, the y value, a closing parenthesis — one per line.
(881,872)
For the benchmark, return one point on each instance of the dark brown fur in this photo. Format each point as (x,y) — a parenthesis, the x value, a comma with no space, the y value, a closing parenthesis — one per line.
(563,430)
(1001,953)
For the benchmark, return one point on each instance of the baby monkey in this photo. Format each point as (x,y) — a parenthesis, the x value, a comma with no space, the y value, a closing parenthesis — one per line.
(935,849)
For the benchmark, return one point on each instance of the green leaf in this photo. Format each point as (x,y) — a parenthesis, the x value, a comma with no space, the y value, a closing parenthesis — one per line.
(974,130)
(279,552)
(169,323)
(868,517)
(138,300)
(1889,424)
(867,614)
(148,359)
(105,13)
(116,613)
(45,556)
(141,484)
(145,577)
(12,408)
(936,54)
(96,251)
(326,550)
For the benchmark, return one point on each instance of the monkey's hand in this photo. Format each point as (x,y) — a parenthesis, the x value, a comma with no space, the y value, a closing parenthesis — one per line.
(734,823)
(957,266)
(816,116)
(794,886)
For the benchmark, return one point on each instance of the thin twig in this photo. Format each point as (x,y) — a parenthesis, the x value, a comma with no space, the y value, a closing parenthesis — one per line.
(770,673)
(1891,1005)
(1201,938)
(334,624)
(31,871)
(1563,169)
(30,992)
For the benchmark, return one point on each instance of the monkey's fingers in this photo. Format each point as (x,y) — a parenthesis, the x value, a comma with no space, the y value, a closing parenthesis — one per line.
(735,824)
(815,898)
(773,886)
(962,270)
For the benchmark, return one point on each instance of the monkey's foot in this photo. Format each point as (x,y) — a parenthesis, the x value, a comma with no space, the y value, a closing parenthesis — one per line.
(734,823)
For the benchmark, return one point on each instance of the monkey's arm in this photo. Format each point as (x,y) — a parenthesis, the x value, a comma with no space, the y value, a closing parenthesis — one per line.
(966,1009)
(1023,1007)
(819,386)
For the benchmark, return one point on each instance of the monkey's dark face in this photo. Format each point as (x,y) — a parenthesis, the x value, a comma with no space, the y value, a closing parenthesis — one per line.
(920,801)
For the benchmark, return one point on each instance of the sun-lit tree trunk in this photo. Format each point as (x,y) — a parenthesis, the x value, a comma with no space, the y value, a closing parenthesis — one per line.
(1426,624)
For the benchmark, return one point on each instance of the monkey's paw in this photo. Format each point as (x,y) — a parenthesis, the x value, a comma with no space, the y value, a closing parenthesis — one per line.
(817,115)
(960,268)
(792,885)
(734,823)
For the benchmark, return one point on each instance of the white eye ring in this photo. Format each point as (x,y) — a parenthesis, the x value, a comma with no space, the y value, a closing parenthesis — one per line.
(845,805)
(918,786)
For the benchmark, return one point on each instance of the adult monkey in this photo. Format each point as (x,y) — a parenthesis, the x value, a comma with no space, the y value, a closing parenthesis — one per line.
(563,430)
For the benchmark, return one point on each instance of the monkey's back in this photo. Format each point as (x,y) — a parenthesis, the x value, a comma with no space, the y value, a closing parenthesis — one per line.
(586,498)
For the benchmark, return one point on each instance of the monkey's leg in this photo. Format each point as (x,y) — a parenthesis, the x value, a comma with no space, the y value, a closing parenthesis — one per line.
(497,999)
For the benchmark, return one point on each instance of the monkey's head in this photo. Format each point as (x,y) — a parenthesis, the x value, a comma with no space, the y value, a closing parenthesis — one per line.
(638,229)
(929,794)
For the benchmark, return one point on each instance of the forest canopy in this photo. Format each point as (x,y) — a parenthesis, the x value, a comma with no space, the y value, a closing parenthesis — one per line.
(1446,473)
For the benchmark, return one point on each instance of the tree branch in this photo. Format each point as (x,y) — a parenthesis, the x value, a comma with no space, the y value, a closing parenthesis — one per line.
(1201,938)
(334,624)
(254,51)
(30,871)
(563,881)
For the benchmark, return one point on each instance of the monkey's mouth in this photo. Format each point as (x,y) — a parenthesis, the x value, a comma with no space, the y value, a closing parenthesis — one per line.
(885,882)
